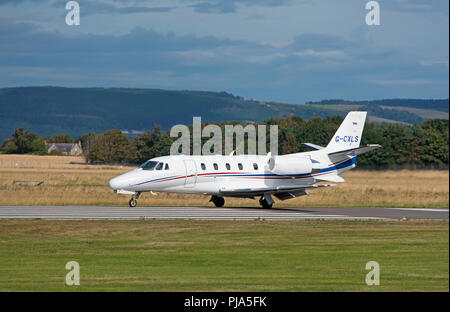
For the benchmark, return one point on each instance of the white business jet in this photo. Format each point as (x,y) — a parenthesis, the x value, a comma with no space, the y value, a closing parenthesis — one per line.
(250,176)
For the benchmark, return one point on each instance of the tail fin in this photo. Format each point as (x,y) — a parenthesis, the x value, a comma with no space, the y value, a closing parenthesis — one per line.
(348,136)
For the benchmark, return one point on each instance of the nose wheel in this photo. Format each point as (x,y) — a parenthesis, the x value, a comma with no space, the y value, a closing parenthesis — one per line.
(133,201)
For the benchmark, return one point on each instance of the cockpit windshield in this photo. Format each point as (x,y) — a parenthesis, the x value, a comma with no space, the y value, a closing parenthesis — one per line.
(148,165)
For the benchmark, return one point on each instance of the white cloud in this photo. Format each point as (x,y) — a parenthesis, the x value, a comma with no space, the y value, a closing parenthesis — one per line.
(434,63)
(403,82)
(330,54)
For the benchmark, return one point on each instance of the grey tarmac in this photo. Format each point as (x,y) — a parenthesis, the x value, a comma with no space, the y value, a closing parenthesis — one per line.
(212,213)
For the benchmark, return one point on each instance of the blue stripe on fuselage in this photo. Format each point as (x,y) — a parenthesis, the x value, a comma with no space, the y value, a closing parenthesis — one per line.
(154,180)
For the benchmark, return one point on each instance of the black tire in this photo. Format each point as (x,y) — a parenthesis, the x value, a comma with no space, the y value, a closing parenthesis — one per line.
(218,201)
(265,204)
(132,203)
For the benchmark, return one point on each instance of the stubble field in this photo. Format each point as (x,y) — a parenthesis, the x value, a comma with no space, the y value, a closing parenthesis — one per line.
(67,181)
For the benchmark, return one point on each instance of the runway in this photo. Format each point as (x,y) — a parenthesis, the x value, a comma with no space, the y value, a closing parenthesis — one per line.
(212,213)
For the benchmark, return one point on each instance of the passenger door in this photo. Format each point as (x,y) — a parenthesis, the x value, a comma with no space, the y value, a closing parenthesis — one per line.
(191,173)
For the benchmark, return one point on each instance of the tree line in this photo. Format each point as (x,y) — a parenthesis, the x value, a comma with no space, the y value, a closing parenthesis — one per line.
(423,145)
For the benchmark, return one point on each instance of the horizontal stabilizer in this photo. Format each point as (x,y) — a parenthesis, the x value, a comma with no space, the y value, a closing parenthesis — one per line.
(356,151)
(314,146)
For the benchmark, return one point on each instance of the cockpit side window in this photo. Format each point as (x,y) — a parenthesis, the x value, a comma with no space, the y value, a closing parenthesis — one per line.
(159,166)
(166,167)
(149,165)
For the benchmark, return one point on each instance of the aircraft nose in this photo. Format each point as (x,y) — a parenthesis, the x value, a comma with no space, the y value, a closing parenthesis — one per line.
(124,181)
(115,183)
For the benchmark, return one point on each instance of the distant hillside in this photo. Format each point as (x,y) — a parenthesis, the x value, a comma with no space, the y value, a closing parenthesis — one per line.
(50,110)
(405,111)
(438,105)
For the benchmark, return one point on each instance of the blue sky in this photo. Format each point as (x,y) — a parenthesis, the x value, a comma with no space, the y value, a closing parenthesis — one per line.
(281,50)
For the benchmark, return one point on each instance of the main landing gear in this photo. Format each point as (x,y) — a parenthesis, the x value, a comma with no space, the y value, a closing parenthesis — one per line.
(266,201)
(133,201)
(217,200)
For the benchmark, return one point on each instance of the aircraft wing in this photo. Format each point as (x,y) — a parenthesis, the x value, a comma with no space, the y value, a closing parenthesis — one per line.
(279,191)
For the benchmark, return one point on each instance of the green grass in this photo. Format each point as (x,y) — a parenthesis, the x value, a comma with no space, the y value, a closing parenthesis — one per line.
(149,255)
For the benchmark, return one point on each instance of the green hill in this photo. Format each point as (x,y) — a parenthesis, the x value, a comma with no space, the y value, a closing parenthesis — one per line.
(50,110)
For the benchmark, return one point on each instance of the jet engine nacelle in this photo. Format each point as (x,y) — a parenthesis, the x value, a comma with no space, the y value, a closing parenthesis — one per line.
(290,164)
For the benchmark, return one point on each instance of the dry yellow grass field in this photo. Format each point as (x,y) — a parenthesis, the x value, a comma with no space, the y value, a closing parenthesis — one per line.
(69,182)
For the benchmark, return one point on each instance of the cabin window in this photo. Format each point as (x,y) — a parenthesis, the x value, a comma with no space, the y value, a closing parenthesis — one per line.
(255,166)
(203,166)
(159,166)
(166,167)
(216,167)
(240,166)
(228,166)
(149,165)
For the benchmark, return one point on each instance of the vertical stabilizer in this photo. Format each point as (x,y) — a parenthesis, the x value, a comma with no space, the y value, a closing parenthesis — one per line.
(348,135)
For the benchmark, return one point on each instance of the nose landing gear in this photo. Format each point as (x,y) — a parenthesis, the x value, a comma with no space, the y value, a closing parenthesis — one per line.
(217,200)
(133,201)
